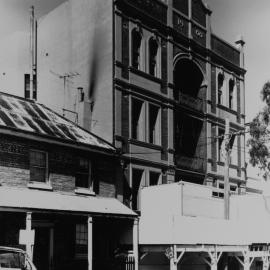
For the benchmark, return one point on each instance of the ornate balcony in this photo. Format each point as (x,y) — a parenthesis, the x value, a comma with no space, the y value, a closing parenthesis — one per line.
(191,102)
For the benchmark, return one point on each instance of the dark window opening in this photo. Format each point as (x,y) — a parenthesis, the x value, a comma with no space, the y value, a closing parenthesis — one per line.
(38,166)
(136,47)
(138,129)
(187,134)
(188,78)
(153,49)
(221,133)
(137,184)
(231,94)
(82,179)
(220,85)
(154,124)
(154,178)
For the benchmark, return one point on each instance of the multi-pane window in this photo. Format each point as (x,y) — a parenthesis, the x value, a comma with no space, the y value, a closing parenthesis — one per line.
(231,94)
(83,174)
(38,166)
(136,48)
(219,192)
(81,240)
(138,120)
(154,178)
(154,124)
(153,50)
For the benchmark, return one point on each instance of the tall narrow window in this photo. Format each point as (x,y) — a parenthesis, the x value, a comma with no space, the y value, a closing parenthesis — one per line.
(138,120)
(221,133)
(27,86)
(83,175)
(233,152)
(138,182)
(231,94)
(38,166)
(220,86)
(81,241)
(153,49)
(136,47)
(154,124)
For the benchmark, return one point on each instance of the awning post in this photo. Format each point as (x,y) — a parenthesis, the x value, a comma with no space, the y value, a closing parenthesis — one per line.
(136,242)
(90,242)
(28,228)
(265,262)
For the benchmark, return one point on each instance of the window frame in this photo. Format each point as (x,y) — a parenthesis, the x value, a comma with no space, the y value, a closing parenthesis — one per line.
(152,171)
(158,122)
(220,90)
(46,166)
(138,53)
(90,188)
(78,254)
(157,57)
(142,118)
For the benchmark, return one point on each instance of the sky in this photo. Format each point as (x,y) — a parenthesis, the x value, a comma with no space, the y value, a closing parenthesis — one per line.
(230,19)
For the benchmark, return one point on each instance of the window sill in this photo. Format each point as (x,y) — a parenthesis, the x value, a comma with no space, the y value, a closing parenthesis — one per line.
(39,185)
(85,191)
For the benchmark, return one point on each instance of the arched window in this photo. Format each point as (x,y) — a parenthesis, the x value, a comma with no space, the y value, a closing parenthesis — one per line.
(231,94)
(220,85)
(153,49)
(136,47)
(187,78)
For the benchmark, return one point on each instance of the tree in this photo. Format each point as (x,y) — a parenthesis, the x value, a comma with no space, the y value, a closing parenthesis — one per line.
(259,141)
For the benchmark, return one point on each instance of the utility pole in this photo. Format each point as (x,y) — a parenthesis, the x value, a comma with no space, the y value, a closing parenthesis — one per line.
(33,52)
(227,137)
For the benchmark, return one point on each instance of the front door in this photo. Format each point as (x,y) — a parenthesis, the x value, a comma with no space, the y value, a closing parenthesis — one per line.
(42,248)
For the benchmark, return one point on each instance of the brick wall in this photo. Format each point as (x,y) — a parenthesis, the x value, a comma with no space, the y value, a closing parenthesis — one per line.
(14,166)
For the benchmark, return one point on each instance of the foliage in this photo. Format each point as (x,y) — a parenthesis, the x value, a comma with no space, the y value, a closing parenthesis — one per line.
(260,134)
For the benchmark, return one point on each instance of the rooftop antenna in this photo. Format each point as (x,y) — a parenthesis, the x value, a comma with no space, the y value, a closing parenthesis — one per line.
(65,77)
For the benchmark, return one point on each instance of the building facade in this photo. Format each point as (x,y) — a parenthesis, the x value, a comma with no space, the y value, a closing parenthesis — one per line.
(58,191)
(151,78)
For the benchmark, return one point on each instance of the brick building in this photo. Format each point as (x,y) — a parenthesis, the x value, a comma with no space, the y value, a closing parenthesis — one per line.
(154,81)
(62,182)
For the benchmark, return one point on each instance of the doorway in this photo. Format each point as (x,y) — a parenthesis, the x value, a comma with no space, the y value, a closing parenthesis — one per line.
(43,247)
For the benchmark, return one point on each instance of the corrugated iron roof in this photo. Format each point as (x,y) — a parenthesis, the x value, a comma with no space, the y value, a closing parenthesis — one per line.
(27,115)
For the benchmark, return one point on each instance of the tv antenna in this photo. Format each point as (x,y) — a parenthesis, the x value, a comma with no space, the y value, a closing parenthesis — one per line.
(66,78)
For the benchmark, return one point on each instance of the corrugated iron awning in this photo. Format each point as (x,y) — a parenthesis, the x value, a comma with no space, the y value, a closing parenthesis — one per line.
(26,199)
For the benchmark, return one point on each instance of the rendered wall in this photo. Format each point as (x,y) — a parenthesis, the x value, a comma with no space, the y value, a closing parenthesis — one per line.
(75,40)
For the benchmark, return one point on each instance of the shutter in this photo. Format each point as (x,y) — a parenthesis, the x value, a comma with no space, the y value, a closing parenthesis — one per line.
(125,48)
(164,133)
(164,67)
(238,101)
(214,148)
(239,155)
(125,120)
(213,90)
